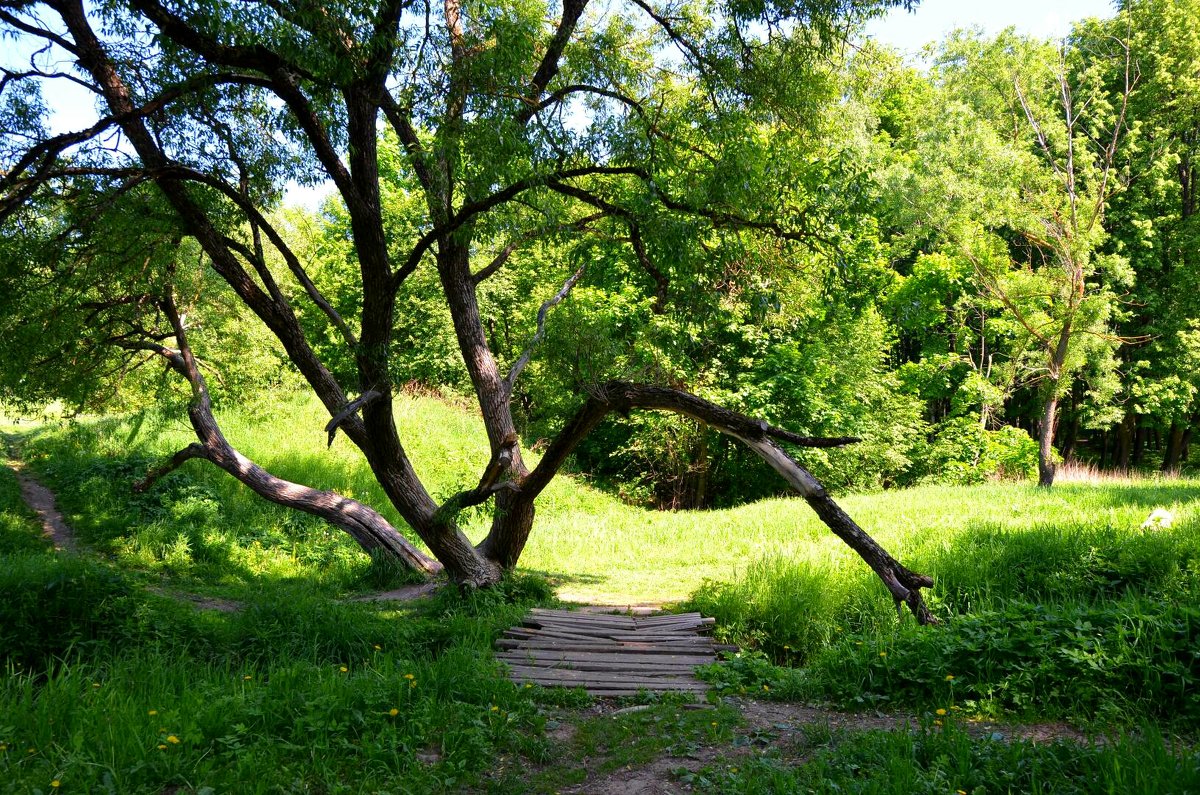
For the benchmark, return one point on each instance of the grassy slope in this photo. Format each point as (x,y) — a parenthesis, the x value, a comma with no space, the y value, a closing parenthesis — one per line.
(599,549)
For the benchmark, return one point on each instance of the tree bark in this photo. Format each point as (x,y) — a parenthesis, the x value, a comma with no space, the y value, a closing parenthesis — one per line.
(1124,453)
(1046,466)
(1174,452)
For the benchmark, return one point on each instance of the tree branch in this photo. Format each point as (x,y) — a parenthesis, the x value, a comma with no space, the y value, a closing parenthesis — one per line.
(548,68)
(540,333)
(351,407)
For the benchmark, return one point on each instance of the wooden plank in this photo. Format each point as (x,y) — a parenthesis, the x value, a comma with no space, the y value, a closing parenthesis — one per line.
(525,632)
(516,659)
(618,637)
(640,648)
(667,617)
(599,687)
(570,675)
(575,626)
(583,618)
(578,632)
(627,658)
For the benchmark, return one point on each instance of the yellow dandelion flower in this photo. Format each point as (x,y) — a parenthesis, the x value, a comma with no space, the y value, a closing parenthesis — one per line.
(409,676)
(343,669)
(378,647)
(949,677)
(152,712)
(941,711)
(527,685)
(56,783)
(714,723)
(937,723)
(495,708)
(172,739)
(393,712)
(883,654)
(162,747)
(767,688)
(246,678)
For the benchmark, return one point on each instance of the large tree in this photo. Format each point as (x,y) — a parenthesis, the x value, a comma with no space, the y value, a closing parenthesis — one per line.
(659,126)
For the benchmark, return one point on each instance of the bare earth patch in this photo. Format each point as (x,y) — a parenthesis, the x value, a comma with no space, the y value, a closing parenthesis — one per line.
(406,593)
(41,501)
(782,726)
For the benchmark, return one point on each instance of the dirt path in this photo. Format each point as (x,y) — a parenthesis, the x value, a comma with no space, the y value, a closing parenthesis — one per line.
(785,727)
(41,501)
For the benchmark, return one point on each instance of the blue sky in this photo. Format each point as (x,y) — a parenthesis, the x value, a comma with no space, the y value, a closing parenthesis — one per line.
(933,19)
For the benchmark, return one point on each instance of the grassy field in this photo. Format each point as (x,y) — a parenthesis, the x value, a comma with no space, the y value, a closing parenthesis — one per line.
(1056,605)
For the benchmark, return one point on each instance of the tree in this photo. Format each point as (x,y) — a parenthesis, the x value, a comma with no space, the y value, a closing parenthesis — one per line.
(1155,222)
(514,122)
(1014,170)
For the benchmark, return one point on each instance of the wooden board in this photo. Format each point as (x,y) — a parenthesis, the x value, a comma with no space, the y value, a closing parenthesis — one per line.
(609,655)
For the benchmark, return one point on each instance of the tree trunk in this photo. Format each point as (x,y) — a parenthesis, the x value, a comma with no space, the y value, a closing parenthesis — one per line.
(1125,442)
(1070,440)
(1046,466)
(904,585)
(1174,452)
(1139,443)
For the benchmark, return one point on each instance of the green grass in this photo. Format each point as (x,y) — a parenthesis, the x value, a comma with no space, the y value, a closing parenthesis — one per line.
(1055,605)
(935,760)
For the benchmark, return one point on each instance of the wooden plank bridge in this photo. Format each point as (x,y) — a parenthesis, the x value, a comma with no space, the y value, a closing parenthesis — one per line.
(609,655)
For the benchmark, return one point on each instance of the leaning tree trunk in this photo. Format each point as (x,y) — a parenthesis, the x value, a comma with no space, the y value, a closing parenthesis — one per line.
(903,585)
(366,526)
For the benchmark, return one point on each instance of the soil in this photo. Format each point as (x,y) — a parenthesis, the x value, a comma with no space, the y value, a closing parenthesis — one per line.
(783,727)
(41,501)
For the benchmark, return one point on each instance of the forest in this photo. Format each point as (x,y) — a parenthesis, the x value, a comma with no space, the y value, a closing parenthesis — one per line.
(591,293)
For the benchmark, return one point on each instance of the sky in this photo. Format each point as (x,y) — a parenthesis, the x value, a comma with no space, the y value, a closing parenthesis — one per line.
(933,19)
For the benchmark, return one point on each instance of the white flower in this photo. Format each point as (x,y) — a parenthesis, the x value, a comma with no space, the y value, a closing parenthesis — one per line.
(1159,518)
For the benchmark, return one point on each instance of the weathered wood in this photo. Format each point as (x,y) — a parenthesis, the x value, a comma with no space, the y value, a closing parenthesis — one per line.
(527,662)
(594,685)
(627,658)
(617,677)
(604,648)
(608,655)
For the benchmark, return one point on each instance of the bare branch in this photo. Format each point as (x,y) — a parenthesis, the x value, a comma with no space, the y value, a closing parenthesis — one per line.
(351,407)
(540,333)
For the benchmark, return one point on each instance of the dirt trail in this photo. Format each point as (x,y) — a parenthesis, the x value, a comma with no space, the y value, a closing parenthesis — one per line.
(41,501)
(783,727)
